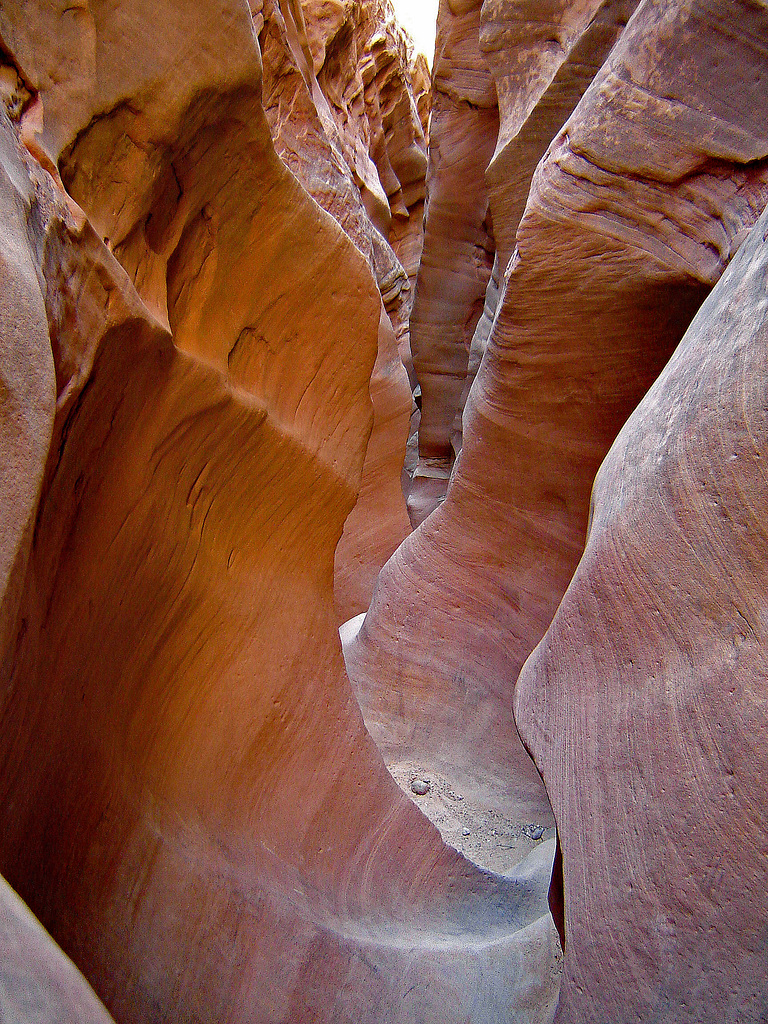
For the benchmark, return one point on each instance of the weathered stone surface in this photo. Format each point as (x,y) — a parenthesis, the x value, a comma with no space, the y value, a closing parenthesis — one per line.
(378,522)
(311,136)
(645,703)
(541,70)
(38,984)
(27,386)
(189,800)
(633,214)
(458,241)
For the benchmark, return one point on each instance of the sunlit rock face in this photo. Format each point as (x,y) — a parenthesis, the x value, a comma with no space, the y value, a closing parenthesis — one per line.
(189,799)
(341,94)
(645,702)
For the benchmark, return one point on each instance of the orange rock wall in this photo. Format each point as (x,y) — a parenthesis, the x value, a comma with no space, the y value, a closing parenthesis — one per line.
(458,241)
(338,97)
(207,269)
(189,800)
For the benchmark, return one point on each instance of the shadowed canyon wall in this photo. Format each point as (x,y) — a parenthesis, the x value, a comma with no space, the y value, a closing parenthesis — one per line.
(635,208)
(190,800)
(212,273)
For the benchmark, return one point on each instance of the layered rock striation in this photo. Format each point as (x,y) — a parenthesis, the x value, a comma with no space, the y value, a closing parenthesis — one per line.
(634,211)
(207,269)
(189,800)
(645,703)
(339,88)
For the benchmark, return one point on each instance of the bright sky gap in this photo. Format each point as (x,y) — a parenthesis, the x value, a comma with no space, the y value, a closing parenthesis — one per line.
(419,17)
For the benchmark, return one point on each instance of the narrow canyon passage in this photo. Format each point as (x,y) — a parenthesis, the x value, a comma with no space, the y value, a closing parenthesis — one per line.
(382,482)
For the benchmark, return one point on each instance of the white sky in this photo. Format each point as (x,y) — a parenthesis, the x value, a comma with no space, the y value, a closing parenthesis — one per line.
(419,17)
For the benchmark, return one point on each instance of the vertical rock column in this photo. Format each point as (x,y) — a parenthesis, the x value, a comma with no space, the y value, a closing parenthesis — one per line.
(541,70)
(458,241)
(634,212)
(316,135)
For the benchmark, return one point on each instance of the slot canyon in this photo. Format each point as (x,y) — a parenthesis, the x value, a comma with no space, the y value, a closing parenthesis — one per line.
(383,581)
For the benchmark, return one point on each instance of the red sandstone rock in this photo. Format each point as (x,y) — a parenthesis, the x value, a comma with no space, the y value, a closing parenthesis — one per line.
(37,982)
(458,241)
(309,134)
(645,704)
(378,522)
(540,70)
(188,797)
(633,214)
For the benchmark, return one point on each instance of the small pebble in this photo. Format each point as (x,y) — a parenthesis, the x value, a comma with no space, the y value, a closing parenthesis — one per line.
(420,786)
(465,832)
(536,833)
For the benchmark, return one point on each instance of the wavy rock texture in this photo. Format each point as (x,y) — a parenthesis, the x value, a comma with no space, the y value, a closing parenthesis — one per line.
(28,387)
(458,241)
(645,703)
(366,89)
(189,800)
(37,982)
(634,212)
(541,70)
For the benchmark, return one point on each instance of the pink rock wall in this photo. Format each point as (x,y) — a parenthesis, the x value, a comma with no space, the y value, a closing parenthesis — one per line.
(634,211)
(541,70)
(645,703)
(189,800)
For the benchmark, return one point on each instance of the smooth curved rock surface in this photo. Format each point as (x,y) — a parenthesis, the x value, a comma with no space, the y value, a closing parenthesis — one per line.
(458,242)
(38,984)
(189,800)
(633,214)
(309,137)
(645,703)
(379,521)
(541,69)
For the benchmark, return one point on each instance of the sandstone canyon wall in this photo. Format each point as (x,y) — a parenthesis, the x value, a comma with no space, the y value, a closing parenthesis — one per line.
(190,800)
(210,229)
(620,240)
(634,210)
(458,243)
(341,95)
(652,679)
